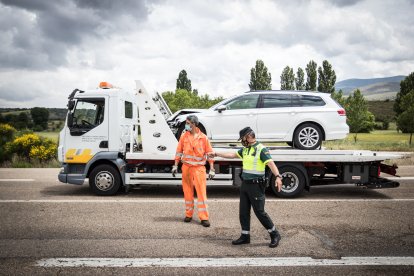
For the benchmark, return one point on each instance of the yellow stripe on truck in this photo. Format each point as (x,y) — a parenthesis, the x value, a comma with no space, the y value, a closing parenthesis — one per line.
(82,157)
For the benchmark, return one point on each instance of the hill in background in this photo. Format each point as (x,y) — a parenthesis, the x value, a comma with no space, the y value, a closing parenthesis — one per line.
(375,89)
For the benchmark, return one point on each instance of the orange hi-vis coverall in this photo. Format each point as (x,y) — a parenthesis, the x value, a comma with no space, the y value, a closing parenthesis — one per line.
(192,150)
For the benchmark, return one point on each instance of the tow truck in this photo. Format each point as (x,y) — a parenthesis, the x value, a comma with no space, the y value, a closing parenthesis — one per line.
(117,138)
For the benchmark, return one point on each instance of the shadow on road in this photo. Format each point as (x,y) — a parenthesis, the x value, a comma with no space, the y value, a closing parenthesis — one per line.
(215,192)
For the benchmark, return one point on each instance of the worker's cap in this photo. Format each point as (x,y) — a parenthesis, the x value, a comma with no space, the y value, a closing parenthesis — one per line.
(193,119)
(244,132)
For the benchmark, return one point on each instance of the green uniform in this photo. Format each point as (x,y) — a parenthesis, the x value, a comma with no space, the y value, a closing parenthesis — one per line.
(252,194)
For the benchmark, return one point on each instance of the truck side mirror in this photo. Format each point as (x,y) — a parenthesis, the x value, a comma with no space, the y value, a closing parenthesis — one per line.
(71,104)
(221,108)
(70,119)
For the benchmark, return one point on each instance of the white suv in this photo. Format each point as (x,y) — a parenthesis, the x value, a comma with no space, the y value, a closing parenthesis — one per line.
(303,119)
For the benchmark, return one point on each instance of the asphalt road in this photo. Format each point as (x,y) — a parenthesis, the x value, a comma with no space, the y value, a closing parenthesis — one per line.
(43,221)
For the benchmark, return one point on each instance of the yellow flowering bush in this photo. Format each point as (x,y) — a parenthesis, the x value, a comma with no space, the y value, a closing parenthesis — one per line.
(32,146)
(43,152)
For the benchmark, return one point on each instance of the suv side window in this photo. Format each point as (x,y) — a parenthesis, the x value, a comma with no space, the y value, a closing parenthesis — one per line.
(277,100)
(243,102)
(307,100)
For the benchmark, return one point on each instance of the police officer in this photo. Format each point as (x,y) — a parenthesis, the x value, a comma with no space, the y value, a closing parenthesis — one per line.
(252,191)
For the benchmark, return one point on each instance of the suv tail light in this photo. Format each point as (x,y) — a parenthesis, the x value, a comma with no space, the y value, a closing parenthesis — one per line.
(342,112)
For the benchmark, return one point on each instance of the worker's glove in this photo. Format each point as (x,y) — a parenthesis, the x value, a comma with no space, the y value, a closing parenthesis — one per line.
(211,174)
(174,170)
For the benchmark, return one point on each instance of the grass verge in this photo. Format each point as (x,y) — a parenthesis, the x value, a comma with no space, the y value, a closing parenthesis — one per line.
(19,162)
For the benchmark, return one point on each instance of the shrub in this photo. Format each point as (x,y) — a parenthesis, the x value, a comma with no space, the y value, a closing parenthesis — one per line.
(32,147)
(6,133)
(44,152)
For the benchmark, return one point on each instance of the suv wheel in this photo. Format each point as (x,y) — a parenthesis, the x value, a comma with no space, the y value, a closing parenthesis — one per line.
(307,137)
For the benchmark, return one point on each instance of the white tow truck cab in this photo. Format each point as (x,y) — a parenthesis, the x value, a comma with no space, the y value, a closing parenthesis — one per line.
(117,138)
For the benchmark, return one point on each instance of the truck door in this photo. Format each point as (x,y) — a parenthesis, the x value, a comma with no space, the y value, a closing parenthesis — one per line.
(87,131)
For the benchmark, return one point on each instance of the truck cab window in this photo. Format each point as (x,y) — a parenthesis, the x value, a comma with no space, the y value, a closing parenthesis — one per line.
(88,114)
(128,110)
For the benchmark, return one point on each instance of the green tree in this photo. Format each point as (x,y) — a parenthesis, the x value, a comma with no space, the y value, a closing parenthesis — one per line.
(260,79)
(287,79)
(311,75)
(40,116)
(183,82)
(359,118)
(405,121)
(339,97)
(300,79)
(326,78)
(23,120)
(406,86)
(181,99)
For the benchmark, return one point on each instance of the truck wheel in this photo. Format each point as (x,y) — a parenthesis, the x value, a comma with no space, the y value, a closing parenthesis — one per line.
(293,182)
(104,180)
(307,137)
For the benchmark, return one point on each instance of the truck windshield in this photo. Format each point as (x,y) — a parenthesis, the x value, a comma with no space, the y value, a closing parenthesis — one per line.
(88,113)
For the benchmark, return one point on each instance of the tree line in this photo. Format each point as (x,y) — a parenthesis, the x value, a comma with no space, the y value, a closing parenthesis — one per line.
(37,119)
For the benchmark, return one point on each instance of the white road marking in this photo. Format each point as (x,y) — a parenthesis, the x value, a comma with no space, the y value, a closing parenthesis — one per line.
(401,178)
(17,180)
(182,200)
(223,262)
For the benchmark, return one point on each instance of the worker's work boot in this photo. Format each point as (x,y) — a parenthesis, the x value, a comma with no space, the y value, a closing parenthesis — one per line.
(274,239)
(244,239)
(205,223)
(188,219)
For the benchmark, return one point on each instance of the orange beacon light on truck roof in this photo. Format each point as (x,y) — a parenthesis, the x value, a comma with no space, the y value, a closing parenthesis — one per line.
(105,85)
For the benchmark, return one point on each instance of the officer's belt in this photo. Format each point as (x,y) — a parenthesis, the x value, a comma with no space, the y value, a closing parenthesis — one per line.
(258,180)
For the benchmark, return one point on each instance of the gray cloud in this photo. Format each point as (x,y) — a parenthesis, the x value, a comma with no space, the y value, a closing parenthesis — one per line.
(38,34)
(344,3)
(54,46)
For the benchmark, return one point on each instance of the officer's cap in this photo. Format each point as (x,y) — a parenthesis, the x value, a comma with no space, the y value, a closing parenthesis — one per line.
(244,132)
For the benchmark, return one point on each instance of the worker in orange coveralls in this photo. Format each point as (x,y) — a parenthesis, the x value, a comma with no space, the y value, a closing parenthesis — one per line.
(192,150)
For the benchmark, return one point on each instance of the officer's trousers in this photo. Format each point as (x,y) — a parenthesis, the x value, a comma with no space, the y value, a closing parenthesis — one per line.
(253,195)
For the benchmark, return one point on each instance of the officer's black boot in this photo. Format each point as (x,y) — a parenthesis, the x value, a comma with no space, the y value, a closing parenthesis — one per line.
(244,239)
(274,239)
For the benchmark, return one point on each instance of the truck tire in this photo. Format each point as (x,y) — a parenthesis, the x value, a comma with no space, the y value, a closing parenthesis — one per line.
(293,182)
(307,137)
(104,180)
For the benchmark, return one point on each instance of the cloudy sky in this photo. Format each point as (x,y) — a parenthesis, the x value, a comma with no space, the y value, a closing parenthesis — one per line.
(48,48)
